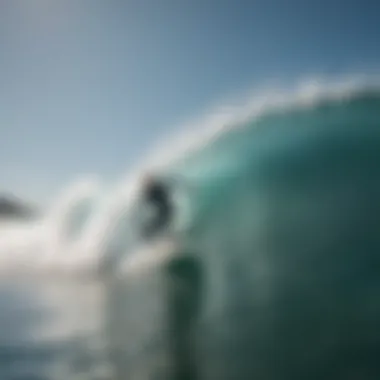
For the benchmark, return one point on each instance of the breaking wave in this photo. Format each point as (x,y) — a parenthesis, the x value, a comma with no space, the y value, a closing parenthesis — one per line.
(90,221)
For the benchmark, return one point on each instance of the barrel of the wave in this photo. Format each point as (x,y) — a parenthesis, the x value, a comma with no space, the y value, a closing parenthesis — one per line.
(298,293)
(282,281)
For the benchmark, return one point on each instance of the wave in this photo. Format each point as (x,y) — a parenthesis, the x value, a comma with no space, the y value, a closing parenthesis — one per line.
(90,221)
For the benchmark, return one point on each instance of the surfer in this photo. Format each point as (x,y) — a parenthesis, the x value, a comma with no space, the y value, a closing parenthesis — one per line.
(157,194)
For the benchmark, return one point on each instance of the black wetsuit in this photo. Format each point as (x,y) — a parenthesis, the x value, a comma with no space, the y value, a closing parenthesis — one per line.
(157,194)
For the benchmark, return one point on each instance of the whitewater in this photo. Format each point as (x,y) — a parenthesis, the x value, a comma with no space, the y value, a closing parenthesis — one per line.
(81,296)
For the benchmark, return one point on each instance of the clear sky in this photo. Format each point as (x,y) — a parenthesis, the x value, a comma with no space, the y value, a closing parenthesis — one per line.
(87,86)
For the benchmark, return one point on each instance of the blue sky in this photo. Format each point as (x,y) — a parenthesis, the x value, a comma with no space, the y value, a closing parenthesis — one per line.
(88,86)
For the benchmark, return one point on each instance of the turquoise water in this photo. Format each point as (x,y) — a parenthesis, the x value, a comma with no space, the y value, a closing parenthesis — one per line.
(286,233)
(276,246)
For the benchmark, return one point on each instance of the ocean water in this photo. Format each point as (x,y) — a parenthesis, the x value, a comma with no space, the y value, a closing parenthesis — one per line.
(270,270)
